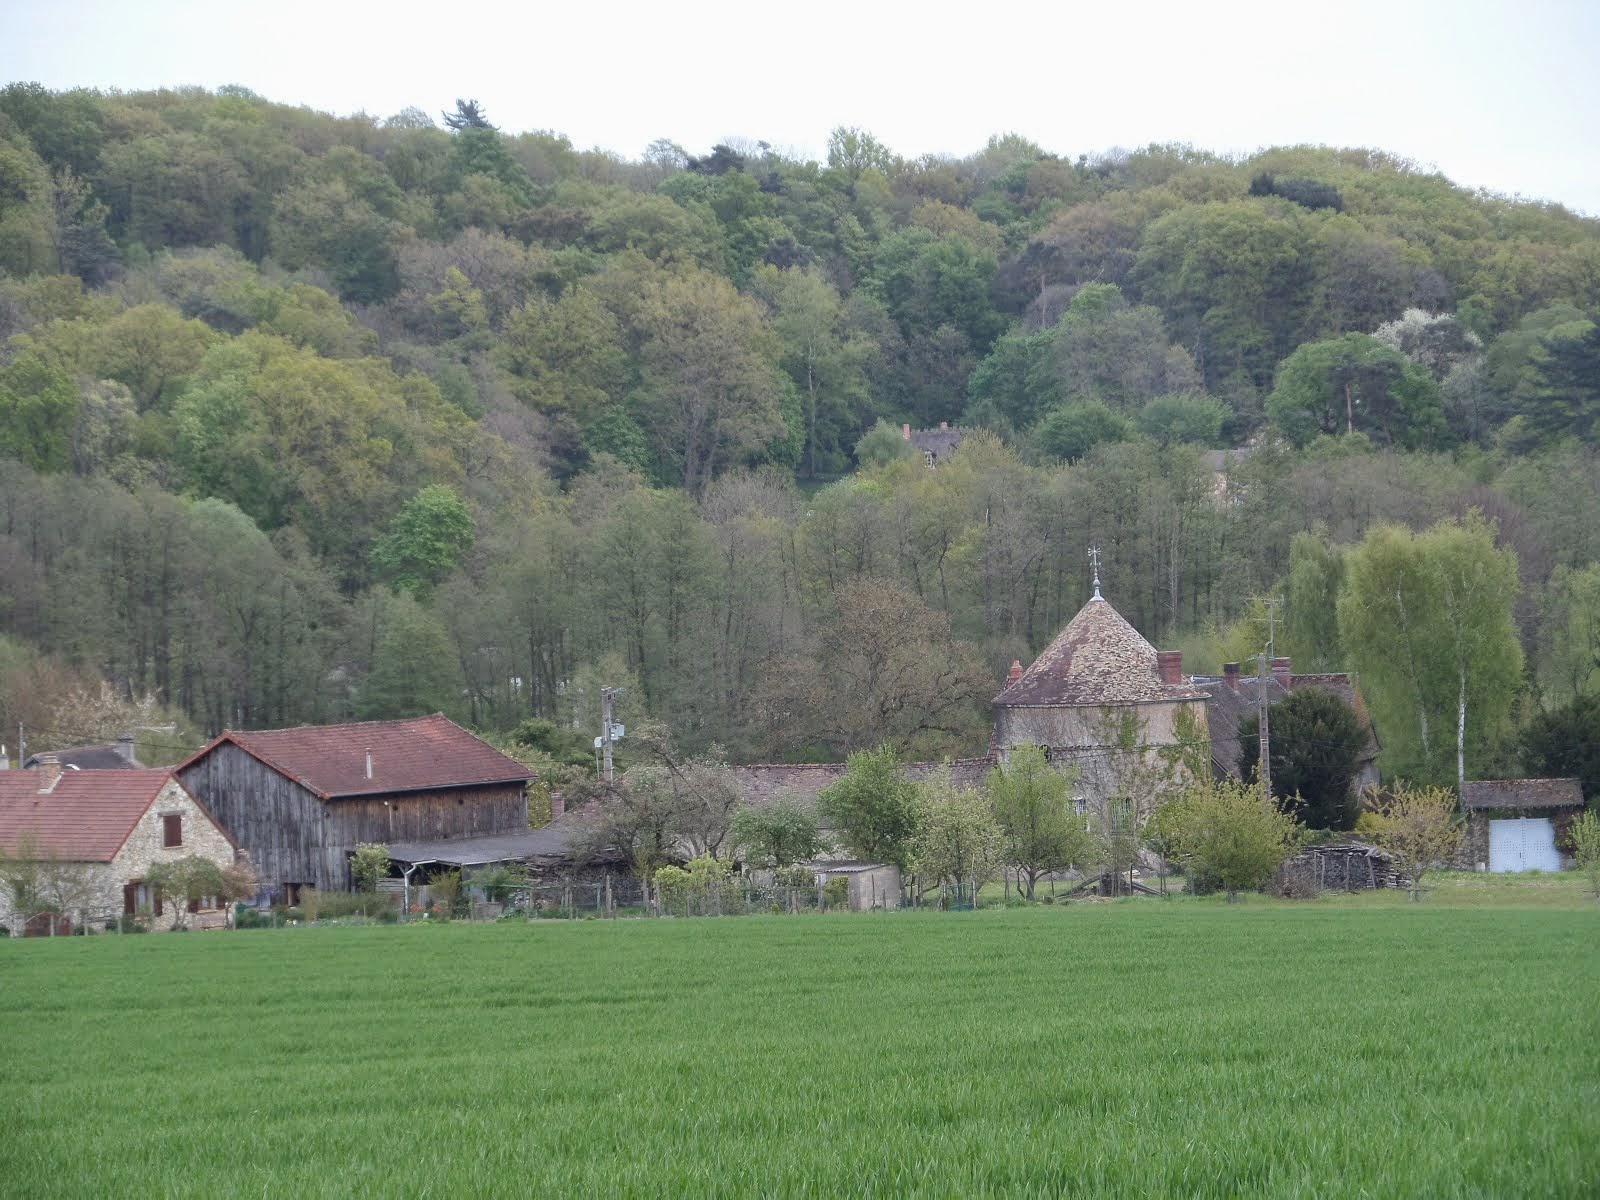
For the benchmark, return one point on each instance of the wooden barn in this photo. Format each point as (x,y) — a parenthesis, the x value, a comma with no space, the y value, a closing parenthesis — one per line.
(300,800)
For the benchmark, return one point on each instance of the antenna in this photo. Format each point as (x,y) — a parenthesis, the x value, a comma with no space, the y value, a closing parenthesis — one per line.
(1094,559)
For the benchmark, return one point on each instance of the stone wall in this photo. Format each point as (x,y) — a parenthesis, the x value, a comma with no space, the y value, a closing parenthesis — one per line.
(1085,736)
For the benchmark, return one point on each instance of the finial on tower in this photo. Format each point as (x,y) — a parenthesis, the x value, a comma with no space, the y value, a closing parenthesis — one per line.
(1094,559)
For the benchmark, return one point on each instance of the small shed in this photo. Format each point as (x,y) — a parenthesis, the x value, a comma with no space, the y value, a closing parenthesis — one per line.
(872,885)
(1519,824)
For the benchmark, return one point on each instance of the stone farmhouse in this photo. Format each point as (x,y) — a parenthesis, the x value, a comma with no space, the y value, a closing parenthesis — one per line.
(96,835)
(300,800)
(1104,701)
(936,445)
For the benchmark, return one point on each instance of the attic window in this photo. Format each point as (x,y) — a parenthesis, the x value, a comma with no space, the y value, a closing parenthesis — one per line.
(171,829)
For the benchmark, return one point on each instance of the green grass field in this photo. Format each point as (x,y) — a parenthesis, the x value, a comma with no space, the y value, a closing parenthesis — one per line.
(1120,1049)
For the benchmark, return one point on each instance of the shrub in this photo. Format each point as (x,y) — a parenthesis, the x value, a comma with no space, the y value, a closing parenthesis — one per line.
(1585,837)
(1227,832)
(836,893)
(1418,827)
(369,864)
(246,917)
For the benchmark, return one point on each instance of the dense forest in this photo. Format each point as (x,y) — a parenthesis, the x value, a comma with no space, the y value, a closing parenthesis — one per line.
(306,417)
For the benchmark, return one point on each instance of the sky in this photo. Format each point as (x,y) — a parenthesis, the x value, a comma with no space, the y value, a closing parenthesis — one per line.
(1499,96)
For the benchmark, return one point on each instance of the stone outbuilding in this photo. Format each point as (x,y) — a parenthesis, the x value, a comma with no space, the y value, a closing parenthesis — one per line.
(1103,700)
(95,835)
(1519,824)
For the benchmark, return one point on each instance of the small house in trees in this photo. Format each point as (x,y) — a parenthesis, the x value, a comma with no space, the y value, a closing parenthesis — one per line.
(935,445)
(81,844)
(300,800)
(1519,824)
(1105,702)
(1234,696)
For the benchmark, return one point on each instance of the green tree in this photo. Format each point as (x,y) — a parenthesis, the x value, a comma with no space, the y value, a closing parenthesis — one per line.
(428,538)
(1586,848)
(1189,417)
(957,837)
(1419,828)
(1317,741)
(1356,382)
(776,835)
(883,444)
(1562,399)
(1564,742)
(38,410)
(711,396)
(1042,828)
(1311,599)
(415,668)
(368,865)
(1569,632)
(1225,832)
(873,809)
(1426,620)
(1071,431)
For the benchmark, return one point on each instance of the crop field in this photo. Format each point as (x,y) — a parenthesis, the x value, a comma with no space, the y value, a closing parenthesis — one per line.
(1124,1049)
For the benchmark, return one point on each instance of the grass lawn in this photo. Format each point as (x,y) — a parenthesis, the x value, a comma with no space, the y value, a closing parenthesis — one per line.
(1122,1049)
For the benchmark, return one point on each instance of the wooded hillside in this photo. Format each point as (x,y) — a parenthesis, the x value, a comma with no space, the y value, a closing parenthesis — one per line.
(306,417)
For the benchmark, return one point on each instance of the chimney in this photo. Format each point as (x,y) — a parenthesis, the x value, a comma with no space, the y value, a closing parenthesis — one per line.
(1280,672)
(125,747)
(944,424)
(1016,671)
(49,773)
(1170,665)
(1230,673)
(905,432)
(369,762)
(558,805)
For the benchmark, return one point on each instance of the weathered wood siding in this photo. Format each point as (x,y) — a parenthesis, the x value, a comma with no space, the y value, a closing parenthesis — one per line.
(294,837)
(272,817)
(426,816)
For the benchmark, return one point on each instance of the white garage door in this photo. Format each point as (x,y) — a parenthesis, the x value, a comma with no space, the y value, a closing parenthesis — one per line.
(1526,844)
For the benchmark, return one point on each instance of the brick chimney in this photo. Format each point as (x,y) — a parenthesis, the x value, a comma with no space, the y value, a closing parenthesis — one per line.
(1280,672)
(944,424)
(1170,665)
(905,432)
(558,805)
(1015,673)
(1230,673)
(125,747)
(49,773)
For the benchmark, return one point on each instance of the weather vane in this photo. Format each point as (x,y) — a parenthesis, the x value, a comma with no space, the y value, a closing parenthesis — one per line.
(1094,559)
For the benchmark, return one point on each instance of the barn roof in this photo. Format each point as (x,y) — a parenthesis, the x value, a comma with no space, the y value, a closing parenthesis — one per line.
(85,817)
(556,840)
(415,754)
(1522,793)
(1097,659)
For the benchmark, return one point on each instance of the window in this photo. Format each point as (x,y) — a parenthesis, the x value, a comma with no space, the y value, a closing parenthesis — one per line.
(172,829)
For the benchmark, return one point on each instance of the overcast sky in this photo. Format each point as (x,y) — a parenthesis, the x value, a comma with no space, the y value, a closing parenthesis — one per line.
(1504,96)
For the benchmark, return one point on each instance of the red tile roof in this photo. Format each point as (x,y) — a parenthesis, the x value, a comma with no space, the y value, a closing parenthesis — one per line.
(1097,659)
(416,754)
(87,815)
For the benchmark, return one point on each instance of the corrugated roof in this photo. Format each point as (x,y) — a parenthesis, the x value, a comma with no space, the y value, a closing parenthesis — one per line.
(86,817)
(554,840)
(415,754)
(1097,659)
(1522,793)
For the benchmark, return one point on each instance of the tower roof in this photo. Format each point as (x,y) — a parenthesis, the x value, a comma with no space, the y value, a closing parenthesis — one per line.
(1097,659)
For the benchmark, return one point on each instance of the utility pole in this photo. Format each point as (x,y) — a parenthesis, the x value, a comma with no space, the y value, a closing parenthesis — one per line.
(1264,769)
(607,695)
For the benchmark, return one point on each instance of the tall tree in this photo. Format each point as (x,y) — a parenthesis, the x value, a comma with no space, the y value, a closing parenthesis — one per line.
(873,809)
(1426,619)
(1317,741)
(1032,802)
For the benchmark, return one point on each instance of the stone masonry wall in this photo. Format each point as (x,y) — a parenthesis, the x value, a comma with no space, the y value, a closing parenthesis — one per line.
(143,849)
